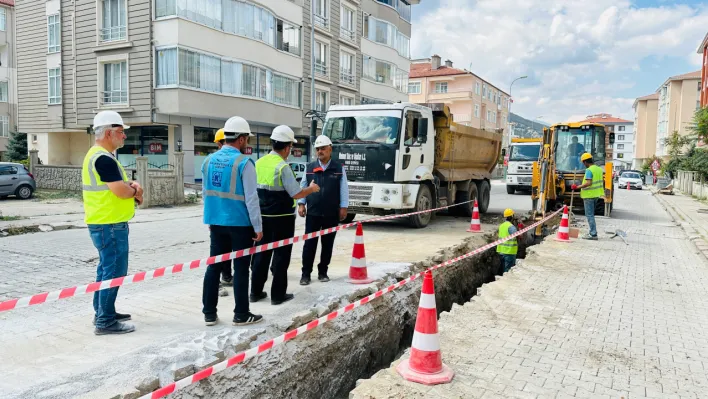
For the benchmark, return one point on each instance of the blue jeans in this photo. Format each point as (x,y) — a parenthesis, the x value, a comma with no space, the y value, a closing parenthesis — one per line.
(507,261)
(590,214)
(111,241)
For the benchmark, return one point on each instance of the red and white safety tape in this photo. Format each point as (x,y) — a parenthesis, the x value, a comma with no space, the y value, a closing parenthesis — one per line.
(69,292)
(270,344)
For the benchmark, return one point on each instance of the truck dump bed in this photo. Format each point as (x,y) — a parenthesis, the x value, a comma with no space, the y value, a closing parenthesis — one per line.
(463,152)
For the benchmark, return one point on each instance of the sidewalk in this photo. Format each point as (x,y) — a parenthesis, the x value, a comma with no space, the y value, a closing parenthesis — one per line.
(691,214)
(590,319)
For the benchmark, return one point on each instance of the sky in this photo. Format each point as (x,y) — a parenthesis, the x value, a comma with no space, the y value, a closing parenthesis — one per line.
(581,57)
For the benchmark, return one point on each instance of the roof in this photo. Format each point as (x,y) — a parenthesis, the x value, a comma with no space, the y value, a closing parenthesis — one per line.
(654,96)
(8,2)
(690,75)
(424,70)
(608,119)
(703,45)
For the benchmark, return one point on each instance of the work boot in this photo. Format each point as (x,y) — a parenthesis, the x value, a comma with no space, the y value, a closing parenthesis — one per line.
(305,281)
(227,281)
(249,318)
(589,237)
(258,297)
(117,328)
(119,317)
(323,278)
(286,298)
(223,292)
(211,319)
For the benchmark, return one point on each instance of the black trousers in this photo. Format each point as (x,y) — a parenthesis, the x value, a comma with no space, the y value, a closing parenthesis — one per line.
(274,229)
(225,239)
(309,250)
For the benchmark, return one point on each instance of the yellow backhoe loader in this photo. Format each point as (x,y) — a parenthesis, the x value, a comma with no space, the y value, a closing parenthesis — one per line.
(559,167)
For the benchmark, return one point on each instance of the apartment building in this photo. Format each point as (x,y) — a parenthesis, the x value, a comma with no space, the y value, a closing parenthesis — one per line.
(679,98)
(361,52)
(174,70)
(623,148)
(646,117)
(703,50)
(473,101)
(8,92)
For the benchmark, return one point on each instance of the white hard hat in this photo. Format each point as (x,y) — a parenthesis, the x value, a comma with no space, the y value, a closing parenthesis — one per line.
(236,126)
(108,118)
(322,141)
(283,134)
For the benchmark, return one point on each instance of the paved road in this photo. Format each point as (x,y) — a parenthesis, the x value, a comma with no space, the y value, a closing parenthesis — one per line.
(170,330)
(519,202)
(586,319)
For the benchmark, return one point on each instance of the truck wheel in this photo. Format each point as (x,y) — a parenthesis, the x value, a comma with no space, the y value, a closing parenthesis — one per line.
(464,196)
(483,190)
(510,189)
(423,202)
(350,217)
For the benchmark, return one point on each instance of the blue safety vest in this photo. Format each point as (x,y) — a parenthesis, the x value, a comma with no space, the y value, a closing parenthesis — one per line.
(222,188)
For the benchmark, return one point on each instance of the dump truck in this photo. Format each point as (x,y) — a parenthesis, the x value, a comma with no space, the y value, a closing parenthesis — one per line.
(522,154)
(559,167)
(407,157)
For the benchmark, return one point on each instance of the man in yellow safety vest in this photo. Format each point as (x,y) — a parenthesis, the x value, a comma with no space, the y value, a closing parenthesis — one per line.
(590,192)
(109,203)
(508,249)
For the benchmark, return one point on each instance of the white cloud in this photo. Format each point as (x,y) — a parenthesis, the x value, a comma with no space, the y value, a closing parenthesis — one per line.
(579,55)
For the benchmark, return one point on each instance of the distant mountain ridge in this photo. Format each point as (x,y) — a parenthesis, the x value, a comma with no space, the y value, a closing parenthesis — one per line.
(522,127)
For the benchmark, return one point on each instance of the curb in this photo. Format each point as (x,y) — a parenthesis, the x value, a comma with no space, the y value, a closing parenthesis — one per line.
(682,220)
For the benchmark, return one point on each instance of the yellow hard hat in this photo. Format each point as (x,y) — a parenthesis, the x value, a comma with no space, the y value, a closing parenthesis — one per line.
(508,212)
(586,156)
(219,135)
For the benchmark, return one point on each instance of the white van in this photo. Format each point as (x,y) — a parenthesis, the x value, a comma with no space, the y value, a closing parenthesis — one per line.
(522,154)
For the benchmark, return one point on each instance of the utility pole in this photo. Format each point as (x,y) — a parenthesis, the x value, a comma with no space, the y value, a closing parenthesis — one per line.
(313,132)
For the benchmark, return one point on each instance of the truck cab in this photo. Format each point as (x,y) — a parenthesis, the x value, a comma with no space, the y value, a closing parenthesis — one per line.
(387,151)
(523,152)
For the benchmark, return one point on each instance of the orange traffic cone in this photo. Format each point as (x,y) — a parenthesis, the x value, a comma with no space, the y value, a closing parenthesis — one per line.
(425,365)
(564,229)
(357,270)
(475,225)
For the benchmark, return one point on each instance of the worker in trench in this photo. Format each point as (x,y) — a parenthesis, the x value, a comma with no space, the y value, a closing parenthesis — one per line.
(508,249)
(277,191)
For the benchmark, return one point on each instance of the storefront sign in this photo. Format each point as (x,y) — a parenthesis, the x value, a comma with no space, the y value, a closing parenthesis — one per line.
(155,147)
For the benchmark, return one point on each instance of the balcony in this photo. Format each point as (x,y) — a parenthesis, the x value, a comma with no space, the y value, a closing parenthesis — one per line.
(347,77)
(114,33)
(457,95)
(321,21)
(347,34)
(321,69)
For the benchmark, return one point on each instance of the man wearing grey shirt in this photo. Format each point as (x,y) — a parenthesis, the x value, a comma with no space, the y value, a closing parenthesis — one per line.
(277,192)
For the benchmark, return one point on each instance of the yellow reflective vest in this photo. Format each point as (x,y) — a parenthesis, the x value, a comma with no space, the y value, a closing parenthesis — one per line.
(101,206)
(509,247)
(596,188)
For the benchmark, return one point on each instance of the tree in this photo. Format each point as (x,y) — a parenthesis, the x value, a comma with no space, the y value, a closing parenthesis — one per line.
(17,148)
(699,125)
(676,144)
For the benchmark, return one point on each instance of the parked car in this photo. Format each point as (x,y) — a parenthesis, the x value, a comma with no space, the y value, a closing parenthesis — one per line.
(16,180)
(299,169)
(633,179)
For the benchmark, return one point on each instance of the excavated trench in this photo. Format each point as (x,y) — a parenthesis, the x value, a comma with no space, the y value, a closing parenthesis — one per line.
(327,361)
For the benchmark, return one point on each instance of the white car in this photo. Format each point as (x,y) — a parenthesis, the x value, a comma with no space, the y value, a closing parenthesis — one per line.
(299,169)
(633,179)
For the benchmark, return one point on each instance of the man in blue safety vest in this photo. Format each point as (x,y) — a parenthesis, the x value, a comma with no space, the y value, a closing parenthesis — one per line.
(277,191)
(324,209)
(231,210)
(508,249)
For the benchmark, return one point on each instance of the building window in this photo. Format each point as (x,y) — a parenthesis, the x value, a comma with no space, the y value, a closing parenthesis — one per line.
(476,88)
(288,37)
(620,128)
(321,13)
(620,155)
(53,34)
(484,91)
(441,87)
(346,100)
(383,32)
(4,126)
(347,28)
(55,86)
(620,146)
(115,83)
(346,68)
(476,110)
(3,19)
(321,104)
(414,88)
(620,137)
(384,73)
(114,25)
(321,55)
(3,91)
